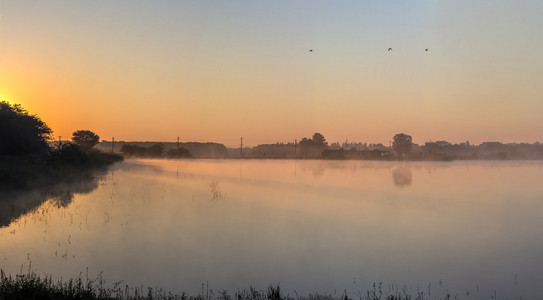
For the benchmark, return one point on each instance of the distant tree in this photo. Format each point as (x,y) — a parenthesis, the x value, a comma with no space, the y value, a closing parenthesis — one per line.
(319,139)
(492,146)
(402,144)
(312,147)
(85,139)
(157,150)
(306,142)
(335,146)
(178,153)
(133,150)
(22,133)
(378,146)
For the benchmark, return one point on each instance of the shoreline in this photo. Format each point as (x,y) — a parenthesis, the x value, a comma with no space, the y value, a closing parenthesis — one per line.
(37,172)
(30,285)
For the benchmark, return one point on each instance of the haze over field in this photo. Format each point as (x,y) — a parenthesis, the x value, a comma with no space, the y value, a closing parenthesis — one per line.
(219,70)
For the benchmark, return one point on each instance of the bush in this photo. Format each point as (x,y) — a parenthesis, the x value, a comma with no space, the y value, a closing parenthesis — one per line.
(68,154)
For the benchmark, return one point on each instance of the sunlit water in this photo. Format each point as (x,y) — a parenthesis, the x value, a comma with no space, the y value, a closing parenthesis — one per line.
(472,229)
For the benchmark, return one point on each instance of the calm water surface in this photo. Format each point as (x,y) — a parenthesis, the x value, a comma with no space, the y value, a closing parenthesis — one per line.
(469,228)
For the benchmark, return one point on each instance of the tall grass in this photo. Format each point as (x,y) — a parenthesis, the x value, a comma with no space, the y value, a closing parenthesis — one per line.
(31,286)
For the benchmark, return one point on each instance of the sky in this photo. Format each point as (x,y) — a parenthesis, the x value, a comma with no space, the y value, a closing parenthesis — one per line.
(220,70)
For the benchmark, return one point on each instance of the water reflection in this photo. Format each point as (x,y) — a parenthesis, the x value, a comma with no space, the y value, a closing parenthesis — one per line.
(402,176)
(138,166)
(15,204)
(319,167)
(471,225)
(215,190)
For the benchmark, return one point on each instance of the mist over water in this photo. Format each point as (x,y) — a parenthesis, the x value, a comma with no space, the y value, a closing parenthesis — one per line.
(468,228)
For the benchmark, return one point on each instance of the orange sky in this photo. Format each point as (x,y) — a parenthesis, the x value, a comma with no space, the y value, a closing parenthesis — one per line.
(210,71)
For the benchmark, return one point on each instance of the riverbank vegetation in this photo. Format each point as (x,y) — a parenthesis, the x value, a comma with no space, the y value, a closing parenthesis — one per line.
(29,158)
(155,151)
(30,286)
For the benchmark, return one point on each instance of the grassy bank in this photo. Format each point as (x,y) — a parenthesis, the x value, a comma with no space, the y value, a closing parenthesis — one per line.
(32,286)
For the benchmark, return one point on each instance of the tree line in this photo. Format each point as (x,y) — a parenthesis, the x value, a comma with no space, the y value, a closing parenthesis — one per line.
(155,151)
(27,154)
(23,135)
(402,148)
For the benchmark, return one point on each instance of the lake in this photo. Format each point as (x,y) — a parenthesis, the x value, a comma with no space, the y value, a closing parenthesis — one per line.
(469,228)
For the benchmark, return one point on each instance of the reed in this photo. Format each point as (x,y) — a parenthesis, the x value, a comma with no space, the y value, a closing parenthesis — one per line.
(29,285)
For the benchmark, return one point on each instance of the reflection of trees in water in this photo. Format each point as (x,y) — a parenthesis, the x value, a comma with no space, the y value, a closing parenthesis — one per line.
(137,166)
(319,167)
(15,204)
(402,176)
(318,170)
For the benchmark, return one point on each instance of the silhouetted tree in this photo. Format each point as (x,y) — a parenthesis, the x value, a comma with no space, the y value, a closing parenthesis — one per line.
(133,150)
(312,147)
(177,153)
(319,139)
(85,139)
(402,144)
(157,150)
(69,154)
(20,132)
(306,142)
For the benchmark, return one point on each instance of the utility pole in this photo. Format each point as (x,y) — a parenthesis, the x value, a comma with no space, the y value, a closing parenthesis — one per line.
(241,148)
(112,144)
(59,142)
(295,144)
(177,144)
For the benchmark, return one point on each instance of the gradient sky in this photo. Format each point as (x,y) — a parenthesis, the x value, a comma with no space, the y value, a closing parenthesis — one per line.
(219,70)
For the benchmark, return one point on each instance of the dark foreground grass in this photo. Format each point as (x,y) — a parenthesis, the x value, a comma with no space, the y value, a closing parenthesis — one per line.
(32,286)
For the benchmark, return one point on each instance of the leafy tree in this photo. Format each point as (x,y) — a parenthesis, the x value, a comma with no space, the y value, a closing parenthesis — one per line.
(319,139)
(312,147)
(402,144)
(85,139)
(22,133)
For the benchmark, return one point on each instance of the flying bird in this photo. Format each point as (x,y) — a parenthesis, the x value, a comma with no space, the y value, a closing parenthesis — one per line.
(310,50)
(389,49)
(426,49)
